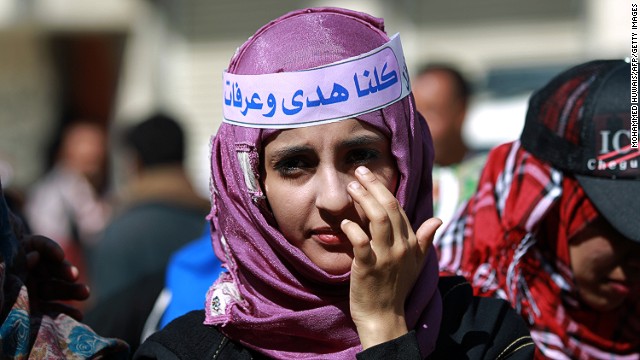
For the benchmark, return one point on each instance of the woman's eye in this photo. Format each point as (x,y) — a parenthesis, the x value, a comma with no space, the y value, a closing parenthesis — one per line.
(362,156)
(289,167)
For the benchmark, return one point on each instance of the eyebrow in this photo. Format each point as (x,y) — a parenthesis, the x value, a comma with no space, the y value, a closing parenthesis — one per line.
(290,151)
(362,140)
(357,141)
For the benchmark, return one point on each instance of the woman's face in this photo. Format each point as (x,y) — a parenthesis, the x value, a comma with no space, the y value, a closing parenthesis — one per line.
(606,266)
(306,175)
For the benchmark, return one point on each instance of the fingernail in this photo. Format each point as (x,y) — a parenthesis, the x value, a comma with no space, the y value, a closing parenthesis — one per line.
(344,222)
(354,185)
(362,170)
(74,271)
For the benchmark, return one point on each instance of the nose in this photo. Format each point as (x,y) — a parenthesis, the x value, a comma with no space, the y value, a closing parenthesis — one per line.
(331,191)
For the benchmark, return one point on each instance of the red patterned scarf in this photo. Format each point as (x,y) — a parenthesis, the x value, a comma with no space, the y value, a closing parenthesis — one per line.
(512,240)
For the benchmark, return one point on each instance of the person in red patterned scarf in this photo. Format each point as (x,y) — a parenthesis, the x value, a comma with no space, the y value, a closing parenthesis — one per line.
(553,227)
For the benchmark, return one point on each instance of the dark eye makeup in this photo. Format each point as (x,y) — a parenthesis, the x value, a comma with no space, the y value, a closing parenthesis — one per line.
(289,166)
(293,165)
(362,156)
(290,162)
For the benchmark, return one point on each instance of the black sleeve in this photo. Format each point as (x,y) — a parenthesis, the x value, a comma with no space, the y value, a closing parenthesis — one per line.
(404,347)
(188,338)
(154,350)
(479,328)
(509,335)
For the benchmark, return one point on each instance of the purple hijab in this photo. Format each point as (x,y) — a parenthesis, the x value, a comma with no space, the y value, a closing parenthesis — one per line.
(273,298)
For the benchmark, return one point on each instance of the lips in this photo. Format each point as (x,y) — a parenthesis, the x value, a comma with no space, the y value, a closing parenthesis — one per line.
(621,288)
(328,236)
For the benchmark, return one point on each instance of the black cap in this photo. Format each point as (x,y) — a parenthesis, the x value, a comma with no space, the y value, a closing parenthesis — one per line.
(580,123)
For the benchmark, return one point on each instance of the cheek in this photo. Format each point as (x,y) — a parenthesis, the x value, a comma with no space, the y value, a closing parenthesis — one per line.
(592,264)
(386,171)
(390,178)
(287,204)
(582,271)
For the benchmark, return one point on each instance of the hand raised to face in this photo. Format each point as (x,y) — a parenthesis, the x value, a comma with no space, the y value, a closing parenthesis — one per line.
(307,171)
(388,257)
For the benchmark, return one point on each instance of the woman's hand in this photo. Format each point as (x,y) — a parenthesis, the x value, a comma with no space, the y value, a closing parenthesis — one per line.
(51,279)
(387,260)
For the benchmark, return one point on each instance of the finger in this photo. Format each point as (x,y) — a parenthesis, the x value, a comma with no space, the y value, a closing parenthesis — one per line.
(426,233)
(382,195)
(379,222)
(370,181)
(47,248)
(33,258)
(62,290)
(67,271)
(362,251)
(55,270)
(405,229)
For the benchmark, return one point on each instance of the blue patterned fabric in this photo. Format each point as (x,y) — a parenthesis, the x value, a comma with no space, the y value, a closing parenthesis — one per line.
(30,335)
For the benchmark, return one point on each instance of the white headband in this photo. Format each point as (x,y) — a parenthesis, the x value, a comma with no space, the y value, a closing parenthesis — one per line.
(337,91)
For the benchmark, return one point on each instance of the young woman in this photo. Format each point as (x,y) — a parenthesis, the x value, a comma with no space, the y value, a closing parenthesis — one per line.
(321,199)
(553,226)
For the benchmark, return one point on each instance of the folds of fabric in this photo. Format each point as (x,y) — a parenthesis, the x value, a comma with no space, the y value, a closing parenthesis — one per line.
(512,241)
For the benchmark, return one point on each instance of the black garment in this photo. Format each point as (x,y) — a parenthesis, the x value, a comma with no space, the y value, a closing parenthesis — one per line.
(476,327)
(472,328)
